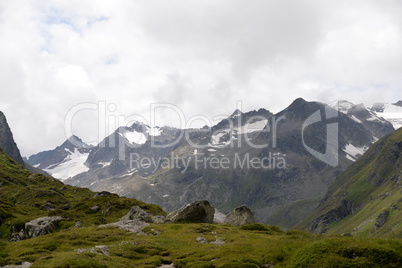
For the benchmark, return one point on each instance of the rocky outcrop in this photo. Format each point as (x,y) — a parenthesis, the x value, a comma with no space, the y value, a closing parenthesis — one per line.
(41,226)
(37,227)
(199,211)
(240,216)
(102,249)
(7,142)
(104,193)
(132,226)
(381,219)
(345,208)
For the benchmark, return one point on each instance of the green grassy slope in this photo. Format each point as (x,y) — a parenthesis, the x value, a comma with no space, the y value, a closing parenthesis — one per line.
(176,243)
(25,196)
(368,188)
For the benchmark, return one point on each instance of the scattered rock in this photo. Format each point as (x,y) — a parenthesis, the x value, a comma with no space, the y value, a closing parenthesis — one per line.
(23,265)
(218,241)
(199,211)
(132,226)
(167,266)
(95,208)
(240,216)
(201,240)
(381,219)
(77,224)
(40,226)
(137,213)
(104,193)
(97,250)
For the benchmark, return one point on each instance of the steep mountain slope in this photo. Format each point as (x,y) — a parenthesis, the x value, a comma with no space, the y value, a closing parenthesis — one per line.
(284,184)
(367,198)
(65,161)
(7,142)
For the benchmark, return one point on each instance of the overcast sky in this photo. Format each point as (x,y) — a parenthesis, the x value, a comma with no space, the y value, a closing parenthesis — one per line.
(202,56)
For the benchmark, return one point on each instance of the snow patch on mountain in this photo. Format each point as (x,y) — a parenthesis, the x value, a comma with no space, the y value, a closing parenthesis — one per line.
(392,113)
(105,164)
(220,140)
(73,164)
(134,137)
(355,119)
(354,152)
(154,131)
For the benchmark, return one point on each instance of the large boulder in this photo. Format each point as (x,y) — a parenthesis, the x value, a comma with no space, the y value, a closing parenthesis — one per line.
(137,213)
(240,216)
(199,211)
(41,226)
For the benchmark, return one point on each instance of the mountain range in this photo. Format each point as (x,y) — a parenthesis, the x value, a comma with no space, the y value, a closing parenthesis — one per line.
(172,167)
(45,223)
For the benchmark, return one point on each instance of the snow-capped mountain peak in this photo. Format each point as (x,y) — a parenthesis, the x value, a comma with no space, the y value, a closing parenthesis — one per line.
(342,106)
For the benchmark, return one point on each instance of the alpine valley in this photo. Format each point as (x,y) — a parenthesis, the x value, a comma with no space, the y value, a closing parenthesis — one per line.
(256,158)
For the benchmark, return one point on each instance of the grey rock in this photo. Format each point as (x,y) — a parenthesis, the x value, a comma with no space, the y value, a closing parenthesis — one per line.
(104,193)
(240,216)
(95,208)
(41,226)
(132,226)
(345,208)
(201,240)
(218,241)
(137,213)
(77,224)
(102,249)
(199,211)
(381,219)
(23,265)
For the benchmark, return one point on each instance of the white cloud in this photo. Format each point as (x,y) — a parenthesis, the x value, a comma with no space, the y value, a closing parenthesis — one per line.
(203,56)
